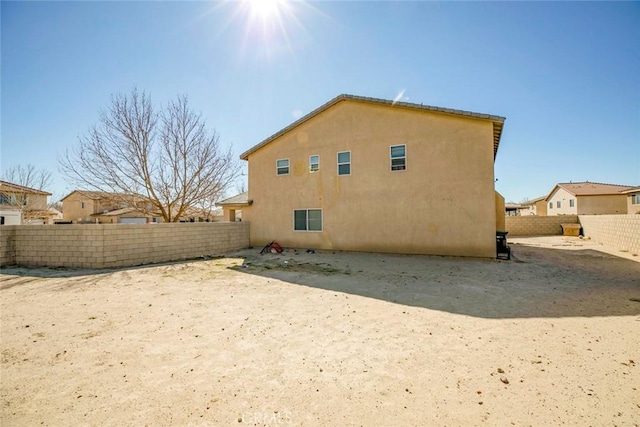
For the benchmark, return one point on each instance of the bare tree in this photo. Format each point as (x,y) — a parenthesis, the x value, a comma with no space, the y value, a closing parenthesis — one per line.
(25,176)
(28,176)
(164,161)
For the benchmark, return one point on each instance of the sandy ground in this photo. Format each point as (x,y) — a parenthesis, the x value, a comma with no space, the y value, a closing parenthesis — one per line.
(328,339)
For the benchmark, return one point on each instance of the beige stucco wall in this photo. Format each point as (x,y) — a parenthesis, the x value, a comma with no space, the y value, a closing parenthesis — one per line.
(563,196)
(586,205)
(117,245)
(631,207)
(602,205)
(500,221)
(540,208)
(442,204)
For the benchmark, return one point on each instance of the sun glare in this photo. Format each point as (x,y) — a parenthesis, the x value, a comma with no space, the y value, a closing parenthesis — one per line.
(270,28)
(265,10)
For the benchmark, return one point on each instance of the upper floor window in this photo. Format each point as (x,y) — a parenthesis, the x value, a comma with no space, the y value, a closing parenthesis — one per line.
(82,205)
(398,157)
(558,204)
(550,205)
(282,166)
(635,199)
(314,163)
(344,163)
(572,203)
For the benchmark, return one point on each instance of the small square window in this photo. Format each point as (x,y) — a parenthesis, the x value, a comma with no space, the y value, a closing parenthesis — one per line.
(314,163)
(398,157)
(344,163)
(558,204)
(282,167)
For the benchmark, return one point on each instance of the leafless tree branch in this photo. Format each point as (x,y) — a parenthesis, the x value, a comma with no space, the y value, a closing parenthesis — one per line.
(168,158)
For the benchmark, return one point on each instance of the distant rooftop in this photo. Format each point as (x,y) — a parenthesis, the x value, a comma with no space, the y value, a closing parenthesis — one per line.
(592,188)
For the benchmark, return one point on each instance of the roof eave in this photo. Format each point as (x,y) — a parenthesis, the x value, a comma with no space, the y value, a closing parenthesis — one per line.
(498,121)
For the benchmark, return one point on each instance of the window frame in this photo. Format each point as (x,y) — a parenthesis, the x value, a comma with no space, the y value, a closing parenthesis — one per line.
(391,158)
(282,167)
(572,203)
(558,204)
(317,169)
(307,230)
(343,163)
(550,205)
(635,199)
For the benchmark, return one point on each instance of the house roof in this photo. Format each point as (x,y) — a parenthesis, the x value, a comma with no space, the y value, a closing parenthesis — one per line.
(513,206)
(631,190)
(241,199)
(534,201)
(498,122)
(93,195)
(98,195)
(117,212)
(15,188)
(590,188)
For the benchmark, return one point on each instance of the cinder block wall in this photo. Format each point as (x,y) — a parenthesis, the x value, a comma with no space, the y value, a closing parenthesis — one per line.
(619,231)
(7,247)
(534,225)
(117,245)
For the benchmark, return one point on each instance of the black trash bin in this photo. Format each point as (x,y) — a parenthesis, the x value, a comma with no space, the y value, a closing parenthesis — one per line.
(503,251)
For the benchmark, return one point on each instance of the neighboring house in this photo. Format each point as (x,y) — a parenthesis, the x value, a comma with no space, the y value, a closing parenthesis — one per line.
(536,206)
(633,200)
(513,209)
(23,205)
(364,174)
(85,207)
(232,207)
(587,198)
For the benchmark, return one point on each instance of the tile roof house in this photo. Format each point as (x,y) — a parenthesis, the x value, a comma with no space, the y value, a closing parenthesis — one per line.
(23,205)
(366,174)
(587,198)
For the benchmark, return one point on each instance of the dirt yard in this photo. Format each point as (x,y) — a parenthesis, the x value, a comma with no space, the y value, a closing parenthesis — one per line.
(328,339)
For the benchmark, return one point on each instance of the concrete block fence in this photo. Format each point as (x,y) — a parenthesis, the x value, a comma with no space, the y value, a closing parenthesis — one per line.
(117,245)
(533,225)
(618,231)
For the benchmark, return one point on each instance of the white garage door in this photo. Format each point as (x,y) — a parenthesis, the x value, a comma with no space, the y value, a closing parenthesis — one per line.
(133,220)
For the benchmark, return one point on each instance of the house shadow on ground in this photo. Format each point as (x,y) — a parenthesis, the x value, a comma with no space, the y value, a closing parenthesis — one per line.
(536,283)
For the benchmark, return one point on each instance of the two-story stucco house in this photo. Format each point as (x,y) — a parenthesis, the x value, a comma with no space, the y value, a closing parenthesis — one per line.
(23,205)
(364,174)
(83,206)
(587,198)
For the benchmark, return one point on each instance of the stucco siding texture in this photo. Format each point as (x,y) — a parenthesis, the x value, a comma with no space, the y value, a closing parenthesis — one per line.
(443,203)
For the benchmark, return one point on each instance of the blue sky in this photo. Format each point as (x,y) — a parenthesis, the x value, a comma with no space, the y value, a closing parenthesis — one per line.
(565,75)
